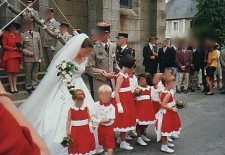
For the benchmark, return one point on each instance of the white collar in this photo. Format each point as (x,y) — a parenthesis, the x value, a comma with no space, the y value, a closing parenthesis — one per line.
(124,75)
(103,44)
(150,44)
(81,108)
(51,20)
(124,46)
(30,31)
(143,88)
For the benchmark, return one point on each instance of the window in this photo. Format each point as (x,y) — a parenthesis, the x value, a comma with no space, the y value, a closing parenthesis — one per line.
(175,26)
(125,4)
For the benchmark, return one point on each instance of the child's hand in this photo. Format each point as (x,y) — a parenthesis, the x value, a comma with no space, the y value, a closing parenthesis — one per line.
(68,133)
(91,127)
(120,108)
(175,109)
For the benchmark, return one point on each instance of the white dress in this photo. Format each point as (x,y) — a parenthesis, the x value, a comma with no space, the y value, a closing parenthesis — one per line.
(50,122)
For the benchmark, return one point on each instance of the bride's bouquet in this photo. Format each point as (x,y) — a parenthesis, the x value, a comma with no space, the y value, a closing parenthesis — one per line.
(180,104)
(66,71)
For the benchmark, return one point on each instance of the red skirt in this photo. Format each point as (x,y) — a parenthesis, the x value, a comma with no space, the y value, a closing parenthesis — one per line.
(106,136)
(156,106)
(127,120)
(167,127)
(13,65)
(83,140)
(145,112)
(176,123)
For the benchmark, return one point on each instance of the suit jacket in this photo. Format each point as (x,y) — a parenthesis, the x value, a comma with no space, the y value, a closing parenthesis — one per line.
(184,59)
(31,44)
(222,59)
(49,41)
(167,58)
(59,45)
(100,59)
(196,56)
(147,53)
(122,52)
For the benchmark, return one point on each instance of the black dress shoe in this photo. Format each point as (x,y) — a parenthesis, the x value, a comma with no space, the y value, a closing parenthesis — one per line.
(16,91)
(204,90)
(12,92)
(222,92)
(29,90)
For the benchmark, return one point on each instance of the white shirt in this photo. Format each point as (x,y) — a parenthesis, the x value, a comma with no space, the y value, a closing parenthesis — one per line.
(103,111)
(123,47)
(155,94)
(133,83)
(151,46)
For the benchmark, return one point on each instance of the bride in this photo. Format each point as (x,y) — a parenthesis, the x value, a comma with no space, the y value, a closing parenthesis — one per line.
(48,106)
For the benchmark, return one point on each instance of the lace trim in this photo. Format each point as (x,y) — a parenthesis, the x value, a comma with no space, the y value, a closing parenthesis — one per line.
(145,122)
(144,89)
(177,132)
(124,129)
(87,153)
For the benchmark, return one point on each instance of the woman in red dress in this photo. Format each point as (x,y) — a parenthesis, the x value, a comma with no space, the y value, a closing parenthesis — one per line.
(12,56)
(144,109)
(124,102)
(165,123)
(78,127)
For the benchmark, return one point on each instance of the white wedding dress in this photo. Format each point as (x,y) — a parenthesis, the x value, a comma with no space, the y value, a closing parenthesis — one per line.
(47,107)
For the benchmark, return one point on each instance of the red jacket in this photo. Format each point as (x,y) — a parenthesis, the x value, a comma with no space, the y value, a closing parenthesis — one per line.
(15,139)
(9,43)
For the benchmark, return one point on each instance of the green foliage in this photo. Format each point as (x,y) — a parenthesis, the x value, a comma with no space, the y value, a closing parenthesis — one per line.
(210,19)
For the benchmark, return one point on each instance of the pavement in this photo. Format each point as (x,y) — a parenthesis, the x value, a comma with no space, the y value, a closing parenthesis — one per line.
(203,128)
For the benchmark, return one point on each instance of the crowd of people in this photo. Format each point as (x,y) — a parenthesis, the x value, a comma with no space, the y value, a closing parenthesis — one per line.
(188,58)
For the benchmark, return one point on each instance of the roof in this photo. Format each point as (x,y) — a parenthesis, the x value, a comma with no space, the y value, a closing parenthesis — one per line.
(181,9)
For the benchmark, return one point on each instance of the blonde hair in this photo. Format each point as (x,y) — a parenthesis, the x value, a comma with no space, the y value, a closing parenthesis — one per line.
(169,79)
(159,76)
(104,89)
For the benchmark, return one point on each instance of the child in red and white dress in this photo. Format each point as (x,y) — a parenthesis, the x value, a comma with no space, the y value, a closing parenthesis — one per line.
(78,128)
(104,118)
(144,110)
(165,124)
(156,91)
(124,102)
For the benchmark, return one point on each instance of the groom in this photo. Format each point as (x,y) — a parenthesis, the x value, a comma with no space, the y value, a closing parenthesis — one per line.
(102,64)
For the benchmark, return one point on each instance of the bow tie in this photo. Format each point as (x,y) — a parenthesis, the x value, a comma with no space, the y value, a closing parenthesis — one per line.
(105,104)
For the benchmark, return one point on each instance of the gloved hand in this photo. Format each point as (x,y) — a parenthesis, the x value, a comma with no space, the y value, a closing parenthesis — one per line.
(91,127)
(175,109)
(96,121)
(120,108)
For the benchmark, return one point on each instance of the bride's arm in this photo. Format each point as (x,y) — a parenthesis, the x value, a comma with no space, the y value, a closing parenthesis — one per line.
(9,105)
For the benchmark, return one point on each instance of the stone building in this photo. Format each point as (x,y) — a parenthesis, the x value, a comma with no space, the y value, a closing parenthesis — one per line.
(179,14)
(140,18)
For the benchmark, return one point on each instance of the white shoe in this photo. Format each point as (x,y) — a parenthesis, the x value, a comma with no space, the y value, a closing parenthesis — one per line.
(133,133)
(141,141)
(118,140)
(145,138)
(175,136)
(125,146)
(169,139)
(166,149)
(99,150)
(128,137)
(170,145)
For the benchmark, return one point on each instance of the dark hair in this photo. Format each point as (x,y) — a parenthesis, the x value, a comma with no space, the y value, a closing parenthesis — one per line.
(87,43)
(78,92)
(142,76)
(151,39)
(128,61)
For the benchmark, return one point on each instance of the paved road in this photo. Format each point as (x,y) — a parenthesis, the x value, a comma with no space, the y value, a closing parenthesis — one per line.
(203,128)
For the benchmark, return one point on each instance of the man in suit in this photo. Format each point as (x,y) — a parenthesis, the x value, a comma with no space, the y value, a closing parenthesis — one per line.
(222,61)
(65,34)
(32,50)
(195,66)
(166,56)
(183,61)
(122,48)
(102,65)
(150,57)
(49,43)
(26,16)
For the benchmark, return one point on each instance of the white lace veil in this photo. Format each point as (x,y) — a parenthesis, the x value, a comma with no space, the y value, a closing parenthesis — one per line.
(36,102)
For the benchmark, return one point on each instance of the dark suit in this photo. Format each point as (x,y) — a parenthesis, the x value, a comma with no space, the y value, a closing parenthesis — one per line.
(166,58)
(150,64)
(193,82)
(122,52)
(183,58)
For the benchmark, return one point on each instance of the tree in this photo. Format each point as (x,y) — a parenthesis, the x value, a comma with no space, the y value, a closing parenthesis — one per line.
(210,20)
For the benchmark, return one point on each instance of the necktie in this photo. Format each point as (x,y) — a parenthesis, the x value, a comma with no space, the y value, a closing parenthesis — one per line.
(31,33)
(107,48)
